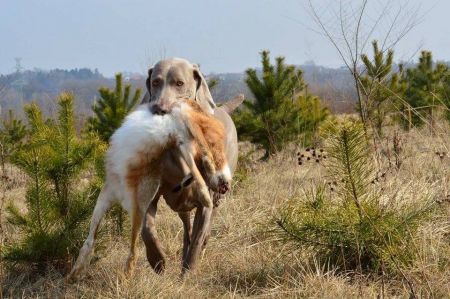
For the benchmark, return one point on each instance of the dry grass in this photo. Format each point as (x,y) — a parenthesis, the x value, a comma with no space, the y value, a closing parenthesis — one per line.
(244,259)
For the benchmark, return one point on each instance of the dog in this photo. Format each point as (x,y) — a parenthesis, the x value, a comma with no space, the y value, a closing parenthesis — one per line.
(133,164)
(167,80)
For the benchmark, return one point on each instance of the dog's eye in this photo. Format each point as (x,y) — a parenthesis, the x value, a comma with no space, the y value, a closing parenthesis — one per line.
(180,83)
(156,82)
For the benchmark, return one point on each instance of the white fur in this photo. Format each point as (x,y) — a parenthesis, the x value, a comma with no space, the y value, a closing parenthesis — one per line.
(226,172)
(141,132)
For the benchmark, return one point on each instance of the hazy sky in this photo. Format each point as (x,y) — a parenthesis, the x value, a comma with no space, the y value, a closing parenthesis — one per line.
(221,35)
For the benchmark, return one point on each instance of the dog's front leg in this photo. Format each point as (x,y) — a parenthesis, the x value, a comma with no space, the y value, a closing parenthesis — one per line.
(187,227)
(202,222)
(155,254)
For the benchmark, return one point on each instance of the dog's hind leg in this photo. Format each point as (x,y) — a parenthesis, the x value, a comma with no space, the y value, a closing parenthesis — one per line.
(104,202)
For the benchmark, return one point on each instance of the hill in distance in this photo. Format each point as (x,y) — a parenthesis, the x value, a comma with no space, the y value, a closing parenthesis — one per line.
(332,85)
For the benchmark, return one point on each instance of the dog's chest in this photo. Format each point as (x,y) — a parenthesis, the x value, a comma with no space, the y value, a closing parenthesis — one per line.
(182,201)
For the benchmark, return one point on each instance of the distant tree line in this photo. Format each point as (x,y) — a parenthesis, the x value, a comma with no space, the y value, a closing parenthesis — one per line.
(43,87)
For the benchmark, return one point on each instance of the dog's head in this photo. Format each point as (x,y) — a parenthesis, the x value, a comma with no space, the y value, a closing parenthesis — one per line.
(173,79)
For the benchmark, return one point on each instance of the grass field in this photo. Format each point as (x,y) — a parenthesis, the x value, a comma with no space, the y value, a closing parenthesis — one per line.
(245,258)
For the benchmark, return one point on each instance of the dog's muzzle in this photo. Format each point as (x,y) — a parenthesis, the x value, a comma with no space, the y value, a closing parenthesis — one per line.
(158,110)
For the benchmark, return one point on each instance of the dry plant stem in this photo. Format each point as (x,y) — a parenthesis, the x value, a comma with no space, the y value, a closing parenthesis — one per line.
(295,237)
(382,279)
(350,49)
(2,236)
(353,186)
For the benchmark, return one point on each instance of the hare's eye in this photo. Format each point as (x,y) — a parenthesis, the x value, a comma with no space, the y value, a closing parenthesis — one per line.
(156,82)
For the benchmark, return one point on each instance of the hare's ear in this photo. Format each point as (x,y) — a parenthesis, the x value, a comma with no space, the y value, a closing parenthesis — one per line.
(202,94)
(148,93)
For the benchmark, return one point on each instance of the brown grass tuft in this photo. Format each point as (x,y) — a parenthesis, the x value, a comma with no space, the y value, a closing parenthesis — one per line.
(242,259)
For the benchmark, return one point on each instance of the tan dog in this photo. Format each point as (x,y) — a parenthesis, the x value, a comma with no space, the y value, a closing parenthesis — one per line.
(168,81)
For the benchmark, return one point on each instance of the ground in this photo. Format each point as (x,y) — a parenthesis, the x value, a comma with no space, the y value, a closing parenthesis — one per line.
(245,257)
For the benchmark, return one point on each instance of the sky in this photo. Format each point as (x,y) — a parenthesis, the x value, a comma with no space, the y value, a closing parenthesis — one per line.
(220,35)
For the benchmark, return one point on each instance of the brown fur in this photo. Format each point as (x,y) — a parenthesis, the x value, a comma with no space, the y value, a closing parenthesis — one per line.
(209,136)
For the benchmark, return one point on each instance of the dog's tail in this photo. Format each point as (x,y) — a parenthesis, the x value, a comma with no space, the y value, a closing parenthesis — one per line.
(232,104)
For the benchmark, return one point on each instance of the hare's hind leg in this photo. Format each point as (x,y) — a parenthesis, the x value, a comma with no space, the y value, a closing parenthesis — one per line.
(136,220)
(104,202)
(141,195)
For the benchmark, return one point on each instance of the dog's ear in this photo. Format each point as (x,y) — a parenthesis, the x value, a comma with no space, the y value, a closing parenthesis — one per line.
(202,94)
(147,95)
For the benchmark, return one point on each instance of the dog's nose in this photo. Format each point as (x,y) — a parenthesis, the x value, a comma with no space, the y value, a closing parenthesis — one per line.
(158,110)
